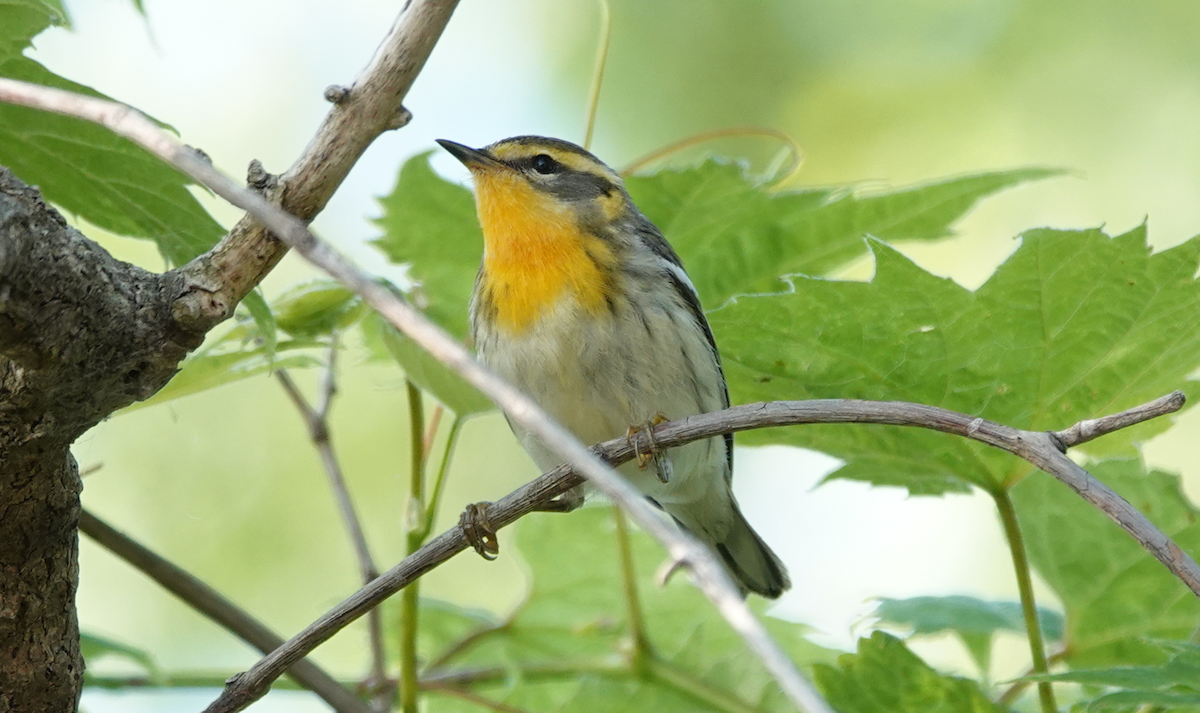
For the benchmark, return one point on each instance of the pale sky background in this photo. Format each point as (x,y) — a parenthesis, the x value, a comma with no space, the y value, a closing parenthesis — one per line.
(244,80)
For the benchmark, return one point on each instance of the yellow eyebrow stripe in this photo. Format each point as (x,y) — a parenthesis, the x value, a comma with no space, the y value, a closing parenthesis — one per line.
(573,161)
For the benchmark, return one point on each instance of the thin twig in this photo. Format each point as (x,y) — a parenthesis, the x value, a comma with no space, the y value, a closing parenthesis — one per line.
(220,610)
(464,644)
(328,381)
(735,132)
(456,677)
(173,679)
(318,428)
(1093,428)
(1042,449)
(661,672)
(708,572)
(317,420)
(1036,447)
(671,676)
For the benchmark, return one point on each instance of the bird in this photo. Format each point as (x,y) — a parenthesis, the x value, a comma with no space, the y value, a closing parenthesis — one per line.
(582,303)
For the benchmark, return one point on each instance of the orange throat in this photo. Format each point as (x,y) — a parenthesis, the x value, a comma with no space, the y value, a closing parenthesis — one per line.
(535,256)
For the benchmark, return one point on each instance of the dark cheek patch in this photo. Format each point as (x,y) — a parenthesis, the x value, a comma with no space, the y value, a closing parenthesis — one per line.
(579,186)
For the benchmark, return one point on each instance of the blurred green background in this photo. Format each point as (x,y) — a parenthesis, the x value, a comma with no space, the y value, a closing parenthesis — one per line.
(875,92)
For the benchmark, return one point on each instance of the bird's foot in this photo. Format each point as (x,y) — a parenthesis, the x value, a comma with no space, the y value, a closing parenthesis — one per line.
(567,502)
(478,530)
(662,467)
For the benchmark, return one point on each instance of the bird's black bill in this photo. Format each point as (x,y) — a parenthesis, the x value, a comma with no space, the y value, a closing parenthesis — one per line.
(470,157)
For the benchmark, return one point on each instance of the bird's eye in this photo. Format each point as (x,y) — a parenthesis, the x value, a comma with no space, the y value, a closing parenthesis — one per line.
(544,164)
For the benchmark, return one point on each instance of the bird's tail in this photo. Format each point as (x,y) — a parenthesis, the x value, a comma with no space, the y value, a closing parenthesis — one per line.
(753,565)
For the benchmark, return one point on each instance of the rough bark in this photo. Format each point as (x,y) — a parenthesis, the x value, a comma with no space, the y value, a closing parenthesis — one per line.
(81,335)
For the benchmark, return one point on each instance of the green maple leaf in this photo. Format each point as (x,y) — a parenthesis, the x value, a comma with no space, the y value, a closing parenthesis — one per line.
(85,168)
(885,676)
(1073,325)
(734,235)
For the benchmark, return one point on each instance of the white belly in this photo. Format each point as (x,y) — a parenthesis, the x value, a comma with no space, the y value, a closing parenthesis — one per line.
(598,383)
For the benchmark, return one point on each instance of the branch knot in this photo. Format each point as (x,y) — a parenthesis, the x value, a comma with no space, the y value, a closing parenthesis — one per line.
(337,94)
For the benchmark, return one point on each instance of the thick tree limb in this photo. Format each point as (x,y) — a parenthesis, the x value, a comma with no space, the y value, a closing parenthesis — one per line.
(81,335)
(211,604)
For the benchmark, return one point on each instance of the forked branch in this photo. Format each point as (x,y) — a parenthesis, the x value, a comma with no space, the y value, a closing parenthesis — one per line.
(710,574)
(359,114)
(1044,450)
(1040,448)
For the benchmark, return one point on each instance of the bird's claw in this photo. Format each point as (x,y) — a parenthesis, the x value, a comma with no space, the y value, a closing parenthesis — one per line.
(662,467)
(478,530)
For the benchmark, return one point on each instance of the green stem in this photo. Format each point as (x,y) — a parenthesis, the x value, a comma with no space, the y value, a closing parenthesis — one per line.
(598,73)
(439,480)
(416,434)
(414,516)
(1016,545)
(408,649)
(633,603)
(687,684)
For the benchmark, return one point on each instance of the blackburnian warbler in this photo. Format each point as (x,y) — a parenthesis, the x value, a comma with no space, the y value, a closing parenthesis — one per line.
(583,304)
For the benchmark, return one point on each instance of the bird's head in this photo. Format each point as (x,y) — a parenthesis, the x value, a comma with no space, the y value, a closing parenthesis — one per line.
(543,180)
(555,224)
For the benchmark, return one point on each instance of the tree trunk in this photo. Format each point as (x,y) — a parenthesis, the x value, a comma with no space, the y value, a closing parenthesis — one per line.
(81,335)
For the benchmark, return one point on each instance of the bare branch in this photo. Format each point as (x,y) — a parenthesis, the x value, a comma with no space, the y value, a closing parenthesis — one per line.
(1090,429)
(132,346)
(317,420)
(362,111)
(318,427)
(1036,447)
(216,281)
(207,601)
(708,572)
(1041,449)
